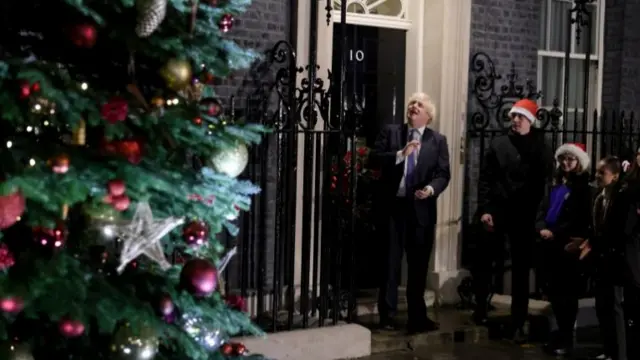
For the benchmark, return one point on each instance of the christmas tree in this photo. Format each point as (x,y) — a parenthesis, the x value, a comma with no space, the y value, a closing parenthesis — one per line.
(118,169)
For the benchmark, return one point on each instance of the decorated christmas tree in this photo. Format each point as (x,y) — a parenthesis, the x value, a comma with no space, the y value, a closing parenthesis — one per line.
(118,168)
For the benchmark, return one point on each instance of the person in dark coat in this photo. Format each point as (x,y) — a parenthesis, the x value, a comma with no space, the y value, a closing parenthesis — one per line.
(565,213)
(414,163)
(512,182)
(613,252)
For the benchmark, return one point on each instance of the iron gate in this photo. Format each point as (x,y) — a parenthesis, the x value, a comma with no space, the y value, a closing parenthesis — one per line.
(296,256)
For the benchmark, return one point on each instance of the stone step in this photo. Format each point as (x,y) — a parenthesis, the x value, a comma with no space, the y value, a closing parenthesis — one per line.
(455,327)
(368,301)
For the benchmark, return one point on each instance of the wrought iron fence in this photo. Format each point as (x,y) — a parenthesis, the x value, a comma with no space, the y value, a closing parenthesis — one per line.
(604,132)
(295,262)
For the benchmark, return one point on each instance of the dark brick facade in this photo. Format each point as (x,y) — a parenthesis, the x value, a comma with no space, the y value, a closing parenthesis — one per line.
(621,82)
(264,24)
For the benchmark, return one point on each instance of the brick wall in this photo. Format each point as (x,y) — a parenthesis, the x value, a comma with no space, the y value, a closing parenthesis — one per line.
(621,82)
(508,32)
(265,23)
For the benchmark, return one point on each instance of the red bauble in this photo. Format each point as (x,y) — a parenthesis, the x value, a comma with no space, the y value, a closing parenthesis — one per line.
(226,349)
(211,106)
(11,304)
(70,328)
(50,238)
(226,23)
(115,110)
(35,87)
(25,89)
(120,203)
(59,164)
(239,349)
(195,233)
(11,208)
(199,277)
(84,35)
(130,149)
(236,302)
(6,257)
(197,120)
(116,187)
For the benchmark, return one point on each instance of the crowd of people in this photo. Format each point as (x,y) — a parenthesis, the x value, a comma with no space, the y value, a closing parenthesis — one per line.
(541,204)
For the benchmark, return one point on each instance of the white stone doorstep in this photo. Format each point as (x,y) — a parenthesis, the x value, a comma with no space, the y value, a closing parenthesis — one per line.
(348,341)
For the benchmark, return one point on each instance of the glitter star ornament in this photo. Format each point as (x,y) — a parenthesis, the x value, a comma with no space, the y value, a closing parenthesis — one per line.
(151,13)
(142,236)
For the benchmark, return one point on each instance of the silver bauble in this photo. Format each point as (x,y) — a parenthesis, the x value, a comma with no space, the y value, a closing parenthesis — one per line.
(209,337)
(231,161)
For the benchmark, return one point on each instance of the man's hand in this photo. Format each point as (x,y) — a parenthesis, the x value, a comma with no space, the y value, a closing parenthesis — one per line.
(585,249)
(487,220)
(411,146)
(575,244)
(546,234)
(625,165)
(424,193)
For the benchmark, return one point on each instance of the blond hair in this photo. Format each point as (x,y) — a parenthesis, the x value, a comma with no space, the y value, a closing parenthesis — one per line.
(426,102)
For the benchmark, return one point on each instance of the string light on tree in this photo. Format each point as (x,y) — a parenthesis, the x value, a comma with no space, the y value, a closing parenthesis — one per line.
(15,351)
(129,344)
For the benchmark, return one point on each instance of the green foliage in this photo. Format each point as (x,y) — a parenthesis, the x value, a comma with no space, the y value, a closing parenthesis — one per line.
(70,282)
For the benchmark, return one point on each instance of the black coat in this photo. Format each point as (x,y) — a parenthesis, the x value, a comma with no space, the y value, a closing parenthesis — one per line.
(616,243)
(574,219)
(432,167)
(514,174)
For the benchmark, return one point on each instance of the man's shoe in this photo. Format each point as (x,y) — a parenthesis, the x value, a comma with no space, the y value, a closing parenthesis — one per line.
(388,324)
(480,318)
(424,327)
(556,350)
(602,357)
(519,337)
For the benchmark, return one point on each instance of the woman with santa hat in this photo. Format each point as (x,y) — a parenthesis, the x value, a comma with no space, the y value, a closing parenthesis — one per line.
(563,217)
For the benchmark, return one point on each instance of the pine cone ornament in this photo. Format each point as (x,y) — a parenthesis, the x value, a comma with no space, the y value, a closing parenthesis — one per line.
(150,16)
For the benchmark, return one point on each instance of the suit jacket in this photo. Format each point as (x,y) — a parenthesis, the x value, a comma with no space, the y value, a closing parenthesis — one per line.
(432,167)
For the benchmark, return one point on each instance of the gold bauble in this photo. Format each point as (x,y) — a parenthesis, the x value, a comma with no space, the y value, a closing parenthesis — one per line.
(231,161)
(177,74)
(128,344)
(9,351)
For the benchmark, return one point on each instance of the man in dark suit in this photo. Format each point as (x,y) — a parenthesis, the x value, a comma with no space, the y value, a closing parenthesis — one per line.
(415,170)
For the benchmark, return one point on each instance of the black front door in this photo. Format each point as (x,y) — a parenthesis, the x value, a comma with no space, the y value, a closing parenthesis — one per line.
(375,75)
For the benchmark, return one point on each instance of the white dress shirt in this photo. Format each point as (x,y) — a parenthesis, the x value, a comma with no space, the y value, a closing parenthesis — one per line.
(417,135)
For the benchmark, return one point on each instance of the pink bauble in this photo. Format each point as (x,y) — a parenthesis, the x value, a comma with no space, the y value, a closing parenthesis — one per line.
(11,208)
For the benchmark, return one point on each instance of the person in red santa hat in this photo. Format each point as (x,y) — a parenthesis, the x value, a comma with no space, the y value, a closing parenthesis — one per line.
(563,220)
(512,183)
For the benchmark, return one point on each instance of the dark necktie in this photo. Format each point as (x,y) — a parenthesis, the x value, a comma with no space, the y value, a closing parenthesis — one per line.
(411,164)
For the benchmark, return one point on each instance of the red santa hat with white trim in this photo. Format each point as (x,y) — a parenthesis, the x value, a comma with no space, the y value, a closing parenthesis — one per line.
(527,108)
(576,149)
